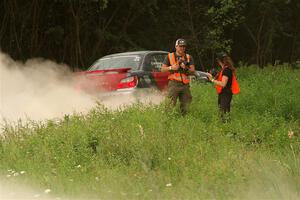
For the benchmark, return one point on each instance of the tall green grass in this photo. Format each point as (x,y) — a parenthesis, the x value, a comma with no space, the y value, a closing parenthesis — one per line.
(144,152)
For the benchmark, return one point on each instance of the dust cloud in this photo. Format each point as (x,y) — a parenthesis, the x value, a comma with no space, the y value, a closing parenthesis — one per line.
(38,89)
(10,190)
(41,89)
(269,178)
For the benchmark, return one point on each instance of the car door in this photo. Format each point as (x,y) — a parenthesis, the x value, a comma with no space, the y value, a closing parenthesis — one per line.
(153,65)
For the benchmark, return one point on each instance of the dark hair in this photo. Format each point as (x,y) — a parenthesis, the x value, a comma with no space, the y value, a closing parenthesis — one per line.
(228,63)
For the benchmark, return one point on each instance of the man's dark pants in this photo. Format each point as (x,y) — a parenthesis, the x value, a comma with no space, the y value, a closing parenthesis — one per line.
(182,91)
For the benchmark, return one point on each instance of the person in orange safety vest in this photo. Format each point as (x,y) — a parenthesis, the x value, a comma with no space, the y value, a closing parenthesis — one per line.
(180,65)
(226,84)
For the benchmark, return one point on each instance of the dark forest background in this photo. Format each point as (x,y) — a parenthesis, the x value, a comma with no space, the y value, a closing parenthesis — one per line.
(77,32)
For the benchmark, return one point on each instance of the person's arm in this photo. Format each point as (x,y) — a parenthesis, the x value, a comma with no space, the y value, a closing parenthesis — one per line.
(221,83)
(167,67)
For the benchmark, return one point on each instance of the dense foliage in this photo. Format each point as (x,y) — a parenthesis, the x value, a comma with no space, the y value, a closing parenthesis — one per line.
(144,152)
(77,32)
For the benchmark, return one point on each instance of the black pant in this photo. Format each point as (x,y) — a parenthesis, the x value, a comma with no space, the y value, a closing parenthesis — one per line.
(224,100)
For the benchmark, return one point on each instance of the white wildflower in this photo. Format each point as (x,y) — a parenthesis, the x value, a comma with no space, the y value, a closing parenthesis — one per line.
(169,158)
(22,172)
(16,174)
(168,184)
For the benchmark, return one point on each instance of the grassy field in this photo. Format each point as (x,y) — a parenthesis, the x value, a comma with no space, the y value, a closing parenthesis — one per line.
(142,152)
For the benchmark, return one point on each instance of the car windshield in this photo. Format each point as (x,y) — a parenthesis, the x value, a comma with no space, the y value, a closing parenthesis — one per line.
(117,62)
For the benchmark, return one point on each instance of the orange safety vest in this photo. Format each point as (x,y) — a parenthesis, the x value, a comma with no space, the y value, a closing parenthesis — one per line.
(176,75)
(234,84)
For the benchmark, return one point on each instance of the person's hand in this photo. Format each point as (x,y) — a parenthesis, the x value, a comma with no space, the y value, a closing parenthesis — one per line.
(175,67)
(210,77)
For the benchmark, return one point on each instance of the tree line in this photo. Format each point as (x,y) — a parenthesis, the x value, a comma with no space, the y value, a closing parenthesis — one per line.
(77,32)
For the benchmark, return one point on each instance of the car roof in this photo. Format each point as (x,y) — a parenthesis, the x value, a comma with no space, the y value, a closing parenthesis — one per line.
(133,53)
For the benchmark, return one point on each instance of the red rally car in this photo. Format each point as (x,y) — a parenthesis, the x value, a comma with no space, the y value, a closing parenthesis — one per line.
(124,73)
